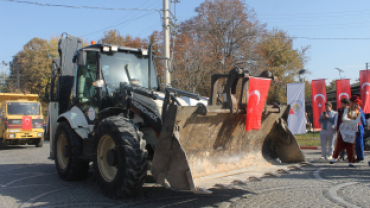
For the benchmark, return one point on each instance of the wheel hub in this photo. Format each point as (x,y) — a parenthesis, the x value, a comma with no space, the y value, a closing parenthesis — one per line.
(112,157)
(66,151)
(62,152)
(107,158)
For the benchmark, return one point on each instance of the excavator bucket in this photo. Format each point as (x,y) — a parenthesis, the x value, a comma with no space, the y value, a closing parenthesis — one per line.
(195,148)
(203,143)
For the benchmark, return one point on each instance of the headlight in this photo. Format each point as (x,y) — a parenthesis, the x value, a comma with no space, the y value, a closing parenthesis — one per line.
(11,136)
(105,48)
(114,48)
(39,134)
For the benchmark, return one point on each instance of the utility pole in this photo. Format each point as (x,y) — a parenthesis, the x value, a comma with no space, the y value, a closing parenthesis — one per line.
(166,42)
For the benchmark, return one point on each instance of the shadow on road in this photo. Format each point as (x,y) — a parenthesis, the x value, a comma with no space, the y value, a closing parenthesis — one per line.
(17,147)
(38,185)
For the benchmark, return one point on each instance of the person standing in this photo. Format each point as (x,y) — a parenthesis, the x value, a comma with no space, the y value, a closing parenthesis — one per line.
(337,122)
(351,118)
(360,133)
(327,133)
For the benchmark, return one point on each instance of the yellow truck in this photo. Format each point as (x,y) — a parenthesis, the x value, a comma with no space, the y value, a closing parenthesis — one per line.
(21,120)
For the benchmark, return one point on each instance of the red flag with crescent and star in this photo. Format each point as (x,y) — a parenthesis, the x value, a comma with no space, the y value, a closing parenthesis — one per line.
(318,101)
(257,96)
(365,90)
(343,90)
(27,123)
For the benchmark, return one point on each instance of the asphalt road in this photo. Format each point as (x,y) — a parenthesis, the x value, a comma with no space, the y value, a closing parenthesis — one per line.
(29,179)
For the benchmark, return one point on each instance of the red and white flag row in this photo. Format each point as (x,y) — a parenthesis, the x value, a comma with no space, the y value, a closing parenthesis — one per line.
(343,87)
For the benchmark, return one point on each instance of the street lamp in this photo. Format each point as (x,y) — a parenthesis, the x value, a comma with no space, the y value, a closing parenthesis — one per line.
(300,72)
(339,70)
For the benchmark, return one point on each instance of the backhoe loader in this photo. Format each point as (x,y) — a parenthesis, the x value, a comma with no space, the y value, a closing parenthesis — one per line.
(107,107)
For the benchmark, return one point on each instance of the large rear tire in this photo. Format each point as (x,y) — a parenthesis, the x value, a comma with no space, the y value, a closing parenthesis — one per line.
(120,159)
(68,149)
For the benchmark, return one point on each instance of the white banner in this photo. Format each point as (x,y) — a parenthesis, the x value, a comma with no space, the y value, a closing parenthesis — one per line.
(295,98)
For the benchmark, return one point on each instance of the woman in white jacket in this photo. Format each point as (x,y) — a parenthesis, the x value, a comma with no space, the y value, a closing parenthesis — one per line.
(347,132)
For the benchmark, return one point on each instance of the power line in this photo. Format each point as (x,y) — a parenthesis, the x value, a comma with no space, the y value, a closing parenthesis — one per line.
(148,28)
(272,36)
(125,17)
(128,15)
(127,21)
(81,7)
(300,14)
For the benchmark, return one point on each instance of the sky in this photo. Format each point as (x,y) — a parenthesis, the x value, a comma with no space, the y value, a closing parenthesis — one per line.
(337,31)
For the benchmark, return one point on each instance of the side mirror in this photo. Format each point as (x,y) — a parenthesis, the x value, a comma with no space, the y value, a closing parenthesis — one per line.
(81,58)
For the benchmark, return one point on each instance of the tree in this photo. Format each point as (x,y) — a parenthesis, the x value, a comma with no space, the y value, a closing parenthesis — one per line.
(114,37)
(308,90)
(278,56)
(331,86)
(220,37)
(30,68)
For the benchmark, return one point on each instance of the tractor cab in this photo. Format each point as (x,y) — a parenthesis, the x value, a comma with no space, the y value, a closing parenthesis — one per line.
(101,68)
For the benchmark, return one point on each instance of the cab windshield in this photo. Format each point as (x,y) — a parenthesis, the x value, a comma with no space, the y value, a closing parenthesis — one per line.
(24,108)
(115,68)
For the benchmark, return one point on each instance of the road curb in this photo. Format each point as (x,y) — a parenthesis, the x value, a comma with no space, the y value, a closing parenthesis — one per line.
(311,147)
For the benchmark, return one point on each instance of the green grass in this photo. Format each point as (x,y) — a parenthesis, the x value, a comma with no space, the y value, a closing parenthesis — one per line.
(308,135)
(307,139)
(309,142)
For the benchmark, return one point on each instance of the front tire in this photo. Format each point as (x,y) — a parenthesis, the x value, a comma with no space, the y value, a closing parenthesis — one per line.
(40,143)
(120,159)
(68,149)
(2,144)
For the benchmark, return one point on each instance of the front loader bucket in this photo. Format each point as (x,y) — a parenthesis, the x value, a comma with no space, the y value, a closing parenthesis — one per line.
(193,148)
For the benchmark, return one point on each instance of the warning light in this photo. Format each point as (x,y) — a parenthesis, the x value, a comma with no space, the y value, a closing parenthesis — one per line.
(93,42)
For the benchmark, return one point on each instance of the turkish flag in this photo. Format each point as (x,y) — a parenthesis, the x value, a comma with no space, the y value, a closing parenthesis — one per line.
(343,90)
(318,101)
(257,96)
(27,123)
(365,90)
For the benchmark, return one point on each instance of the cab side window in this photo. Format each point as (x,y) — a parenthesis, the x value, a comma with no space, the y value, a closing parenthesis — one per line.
(85,91)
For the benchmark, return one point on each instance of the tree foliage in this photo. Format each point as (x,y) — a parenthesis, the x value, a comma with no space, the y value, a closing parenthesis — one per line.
(30,67)
(221,36)
(279,57)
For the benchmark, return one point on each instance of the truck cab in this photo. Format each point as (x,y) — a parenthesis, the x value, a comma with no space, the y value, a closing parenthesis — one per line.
(21,121)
